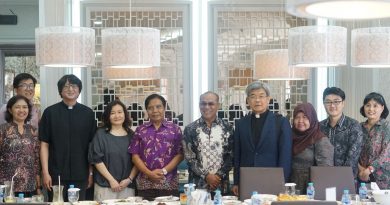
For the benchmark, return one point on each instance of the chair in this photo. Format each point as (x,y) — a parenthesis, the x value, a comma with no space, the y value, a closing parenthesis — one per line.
(304,203)
(265,180)
(339,177)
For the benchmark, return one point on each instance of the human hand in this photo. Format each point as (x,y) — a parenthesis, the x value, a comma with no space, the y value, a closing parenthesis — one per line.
(156,175)
(124,183)
(213,181)
(90,181)
(235,190)
(115,187)
(47,182)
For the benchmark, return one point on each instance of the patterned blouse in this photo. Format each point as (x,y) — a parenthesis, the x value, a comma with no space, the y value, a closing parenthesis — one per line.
(376,151)
(157,148)
(346,137)
(19,153)
(209,150)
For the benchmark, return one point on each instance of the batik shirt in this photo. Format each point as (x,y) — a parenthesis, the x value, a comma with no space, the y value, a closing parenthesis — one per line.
(208,150)
(376,151)
(157,148)
(346,138)
(19,153)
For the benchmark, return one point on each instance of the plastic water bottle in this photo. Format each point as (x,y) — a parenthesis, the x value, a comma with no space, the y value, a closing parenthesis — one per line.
(191,188)
(363,191)
(255,199)
(73,194)
(218,197)
(310,191)
(1,194)
(20,198)
(345,200)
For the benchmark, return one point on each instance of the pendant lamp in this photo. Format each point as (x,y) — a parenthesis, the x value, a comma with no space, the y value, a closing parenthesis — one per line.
(317,46)
(339,9)
(65,46)
(273,65)
(370,47)
(136,49)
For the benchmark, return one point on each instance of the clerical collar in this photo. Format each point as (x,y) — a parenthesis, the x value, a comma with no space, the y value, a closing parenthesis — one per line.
(257,116)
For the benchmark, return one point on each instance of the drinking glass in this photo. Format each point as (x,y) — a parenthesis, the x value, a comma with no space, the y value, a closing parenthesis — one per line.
(73,195)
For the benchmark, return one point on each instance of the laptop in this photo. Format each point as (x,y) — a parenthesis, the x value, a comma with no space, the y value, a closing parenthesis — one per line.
(325,177)
(264,180)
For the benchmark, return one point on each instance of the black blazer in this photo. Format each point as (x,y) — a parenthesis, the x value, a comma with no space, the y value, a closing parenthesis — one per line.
(271,150)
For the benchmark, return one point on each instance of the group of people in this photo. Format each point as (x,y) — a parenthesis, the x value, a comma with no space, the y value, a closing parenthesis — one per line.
(66,145)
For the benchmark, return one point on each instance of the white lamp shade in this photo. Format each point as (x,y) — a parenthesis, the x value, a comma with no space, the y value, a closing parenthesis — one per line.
(317,46)
(119,74)
(370,47)
(339,9)
(63,46)
(273,65)
(130,47)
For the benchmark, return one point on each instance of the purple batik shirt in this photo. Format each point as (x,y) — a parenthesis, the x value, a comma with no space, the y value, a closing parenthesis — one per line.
(157,148)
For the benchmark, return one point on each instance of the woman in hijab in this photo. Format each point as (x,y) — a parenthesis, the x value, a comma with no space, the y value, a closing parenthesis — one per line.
(310,146)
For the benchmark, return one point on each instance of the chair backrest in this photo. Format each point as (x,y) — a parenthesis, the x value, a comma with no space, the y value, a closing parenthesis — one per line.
(304,203)
(265,180)
(325,177)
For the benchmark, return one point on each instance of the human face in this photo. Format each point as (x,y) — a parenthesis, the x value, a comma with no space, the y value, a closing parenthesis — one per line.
(334,105)
(156,110)
(373,110)
(26,88)
(19,111)
(117,115)
(258,101)
(70,92)
(301,122)
(209,106)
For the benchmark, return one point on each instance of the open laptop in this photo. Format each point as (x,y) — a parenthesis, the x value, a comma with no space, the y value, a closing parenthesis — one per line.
(325,177)
(264,180)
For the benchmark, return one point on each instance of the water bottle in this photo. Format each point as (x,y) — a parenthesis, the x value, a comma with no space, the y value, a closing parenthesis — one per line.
(363,191)
(345,200)
(1,194)
(190,189)
(218,197)
(255,199)
(20,198)
(310,191)
(73,194)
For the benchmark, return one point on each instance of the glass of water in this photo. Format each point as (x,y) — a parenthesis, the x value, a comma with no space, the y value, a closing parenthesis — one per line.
(73,195)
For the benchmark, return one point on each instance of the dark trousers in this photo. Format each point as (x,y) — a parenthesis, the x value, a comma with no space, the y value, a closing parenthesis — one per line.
(82,185)
(150,194)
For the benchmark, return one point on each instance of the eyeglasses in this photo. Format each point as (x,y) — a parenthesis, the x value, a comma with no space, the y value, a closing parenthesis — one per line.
(73,86)
(336,102)
(26,86)
(204,104)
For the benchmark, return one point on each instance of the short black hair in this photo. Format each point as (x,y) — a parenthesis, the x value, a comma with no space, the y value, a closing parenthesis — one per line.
(154,96)
(23,76)
(106,116)
(377,97)
(333,91)
(71,79)
(11,102)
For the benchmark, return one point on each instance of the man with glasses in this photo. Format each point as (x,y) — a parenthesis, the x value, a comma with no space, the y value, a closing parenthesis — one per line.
(344,133)
(65,130)
(208,147)
(24,84)
(261,138)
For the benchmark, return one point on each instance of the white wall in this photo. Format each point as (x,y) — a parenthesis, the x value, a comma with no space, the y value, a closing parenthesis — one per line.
(24,31)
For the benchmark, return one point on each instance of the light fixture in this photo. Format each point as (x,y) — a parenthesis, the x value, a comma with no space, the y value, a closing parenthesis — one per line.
(370,47)
(65,46)
(130,47)
(317,46)
(121,74)
(273,65)
(339,9)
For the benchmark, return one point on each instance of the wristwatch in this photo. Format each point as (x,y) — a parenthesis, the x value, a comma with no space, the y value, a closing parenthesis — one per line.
(165,172)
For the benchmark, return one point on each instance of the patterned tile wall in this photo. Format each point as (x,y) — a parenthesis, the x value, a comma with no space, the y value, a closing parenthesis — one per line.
(133,93)
(238,35)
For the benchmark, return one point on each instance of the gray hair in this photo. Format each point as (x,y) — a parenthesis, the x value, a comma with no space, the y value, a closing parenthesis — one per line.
(209,92)
(255,85)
